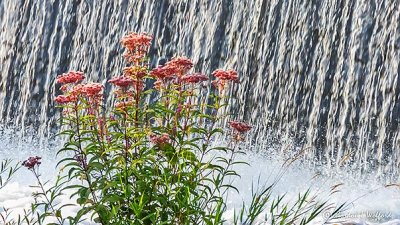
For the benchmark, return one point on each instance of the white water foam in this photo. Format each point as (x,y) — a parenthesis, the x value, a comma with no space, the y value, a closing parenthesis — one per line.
(368,199)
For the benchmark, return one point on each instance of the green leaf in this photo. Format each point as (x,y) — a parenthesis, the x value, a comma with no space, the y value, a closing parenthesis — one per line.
(58,214)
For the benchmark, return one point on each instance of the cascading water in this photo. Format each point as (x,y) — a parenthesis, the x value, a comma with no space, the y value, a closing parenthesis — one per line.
(323,73)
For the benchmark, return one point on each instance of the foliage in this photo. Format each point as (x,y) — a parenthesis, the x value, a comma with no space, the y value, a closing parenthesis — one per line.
(7,170)
(303,210)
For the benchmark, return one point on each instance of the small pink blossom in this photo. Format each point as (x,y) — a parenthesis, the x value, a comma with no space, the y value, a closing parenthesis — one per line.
(229,75)
(133,40)
(163,73)
(64,99)
(180,65)
(70,77)
(159,139)
(92,89)
(122,81)
(31,162)
(240,127)
(194,78)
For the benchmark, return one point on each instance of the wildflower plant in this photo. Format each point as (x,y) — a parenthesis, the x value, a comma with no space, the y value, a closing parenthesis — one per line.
(151,158)
(144,160)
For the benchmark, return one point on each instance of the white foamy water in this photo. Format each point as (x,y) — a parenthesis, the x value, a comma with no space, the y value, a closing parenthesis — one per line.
(369,202)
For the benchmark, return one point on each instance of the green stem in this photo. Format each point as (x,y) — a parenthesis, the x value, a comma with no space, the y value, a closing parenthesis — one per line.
(87,175)
(45,195)
(126,161)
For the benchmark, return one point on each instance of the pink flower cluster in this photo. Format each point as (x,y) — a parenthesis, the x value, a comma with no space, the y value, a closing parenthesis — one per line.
(70,77)
(129,86)
(179,65)
(72,90)
(229,75)
(129,80)
(92,89)
(176,71)
(64,99)
(163,73)
(194,78)
(131,83)
(31,162)
(122,81)
(159,139)
(134,41)
(137,45)
(223,77)
(240,127)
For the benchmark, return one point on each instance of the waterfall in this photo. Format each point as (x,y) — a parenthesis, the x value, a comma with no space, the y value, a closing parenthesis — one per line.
(324,72)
